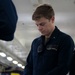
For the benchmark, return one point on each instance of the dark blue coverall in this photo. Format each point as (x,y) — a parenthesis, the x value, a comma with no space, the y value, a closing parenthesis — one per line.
(8,20)
(52,58)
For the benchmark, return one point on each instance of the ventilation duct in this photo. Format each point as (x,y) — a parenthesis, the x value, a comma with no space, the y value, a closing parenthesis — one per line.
(36,2)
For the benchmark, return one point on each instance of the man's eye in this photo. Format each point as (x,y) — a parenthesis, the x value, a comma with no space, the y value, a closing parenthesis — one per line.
(42,24)
(36,24)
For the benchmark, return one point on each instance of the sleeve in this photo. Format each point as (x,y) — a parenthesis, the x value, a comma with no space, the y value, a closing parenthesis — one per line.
(29,64)
(64,57)
(8,20)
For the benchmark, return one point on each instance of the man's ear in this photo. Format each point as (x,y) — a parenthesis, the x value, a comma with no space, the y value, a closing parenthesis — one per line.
(53,19)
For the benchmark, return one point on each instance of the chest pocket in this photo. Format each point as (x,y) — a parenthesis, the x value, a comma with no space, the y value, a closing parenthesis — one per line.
(52,47)
(51,54)
(51,50)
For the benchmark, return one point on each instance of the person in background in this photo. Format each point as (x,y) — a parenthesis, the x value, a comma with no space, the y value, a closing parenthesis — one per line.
(50,53)
(8,20)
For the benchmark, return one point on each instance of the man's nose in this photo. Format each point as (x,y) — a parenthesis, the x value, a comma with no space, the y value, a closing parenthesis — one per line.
(39,27)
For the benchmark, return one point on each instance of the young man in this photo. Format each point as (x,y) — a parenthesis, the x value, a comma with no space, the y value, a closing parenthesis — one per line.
(8,20)
(51,53)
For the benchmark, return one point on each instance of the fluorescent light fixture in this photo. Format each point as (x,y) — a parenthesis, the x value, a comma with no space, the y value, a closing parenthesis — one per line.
(4,42)
(20,65)
(15,62)
(2,54)
(23,67)
(9,58)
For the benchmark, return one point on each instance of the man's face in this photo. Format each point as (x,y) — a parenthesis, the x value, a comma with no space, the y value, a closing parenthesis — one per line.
(45,26)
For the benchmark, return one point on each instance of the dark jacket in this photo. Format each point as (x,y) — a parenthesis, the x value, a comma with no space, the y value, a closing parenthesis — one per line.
(54,58)
(72,68)
(8,20)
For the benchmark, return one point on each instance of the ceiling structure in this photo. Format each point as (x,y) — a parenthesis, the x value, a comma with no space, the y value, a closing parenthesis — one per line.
(26,29)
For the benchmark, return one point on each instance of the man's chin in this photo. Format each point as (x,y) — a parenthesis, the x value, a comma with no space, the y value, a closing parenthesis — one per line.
(43,34)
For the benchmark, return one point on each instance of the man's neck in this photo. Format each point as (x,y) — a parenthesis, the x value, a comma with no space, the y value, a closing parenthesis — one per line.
(49,33)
